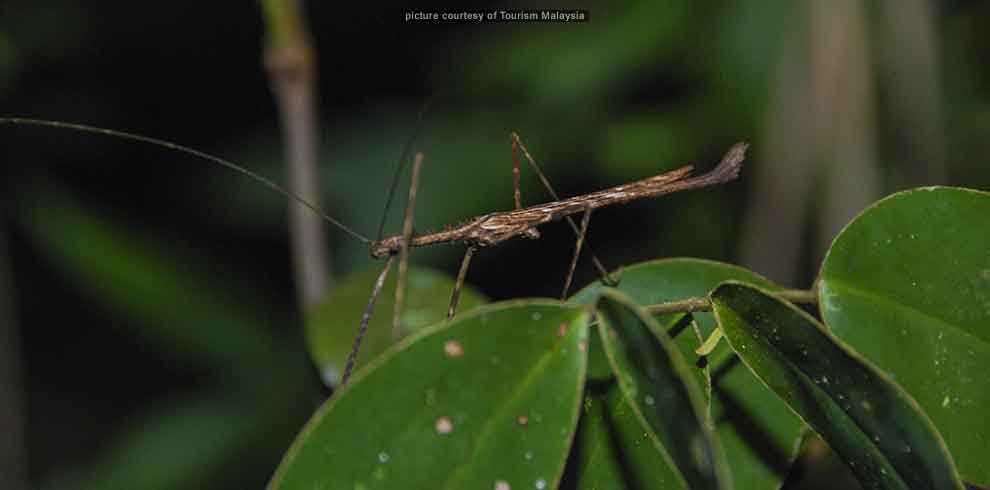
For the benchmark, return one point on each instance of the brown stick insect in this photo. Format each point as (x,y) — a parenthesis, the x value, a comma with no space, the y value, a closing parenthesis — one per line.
(483,231)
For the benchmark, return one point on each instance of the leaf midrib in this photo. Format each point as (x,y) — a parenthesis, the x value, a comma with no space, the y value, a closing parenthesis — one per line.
(489,425)
(806,379)
(809,382)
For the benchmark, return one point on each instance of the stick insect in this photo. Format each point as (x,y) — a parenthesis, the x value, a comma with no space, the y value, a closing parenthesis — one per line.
(483,231)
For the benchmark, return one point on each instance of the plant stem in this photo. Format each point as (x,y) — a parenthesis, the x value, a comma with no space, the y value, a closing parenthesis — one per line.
(289,59)
(807,296)
(692,305)
(689,305)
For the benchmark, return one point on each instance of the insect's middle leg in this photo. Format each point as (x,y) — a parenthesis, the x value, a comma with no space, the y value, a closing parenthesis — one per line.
(517,146)
(577,252)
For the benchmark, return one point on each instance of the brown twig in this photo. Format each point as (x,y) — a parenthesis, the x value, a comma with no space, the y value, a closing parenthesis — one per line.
(290,61)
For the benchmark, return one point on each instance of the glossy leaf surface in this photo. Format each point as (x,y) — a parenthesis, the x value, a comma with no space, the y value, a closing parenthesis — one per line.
(658,385)
(489,400)
(907,284)
(611,450)
(330,328)
(869,421)
(757,431)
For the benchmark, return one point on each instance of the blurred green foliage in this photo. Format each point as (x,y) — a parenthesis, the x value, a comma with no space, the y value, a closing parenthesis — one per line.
(159,336)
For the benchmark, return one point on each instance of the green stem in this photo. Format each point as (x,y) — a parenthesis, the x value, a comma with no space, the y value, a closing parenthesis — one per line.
(807,296)
(689,305)
(692,305)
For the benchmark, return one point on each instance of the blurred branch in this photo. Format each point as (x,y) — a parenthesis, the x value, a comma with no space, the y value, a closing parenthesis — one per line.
(783,173)
(822,117)
(13,464)
(289,59)
(843,85)
(909,61)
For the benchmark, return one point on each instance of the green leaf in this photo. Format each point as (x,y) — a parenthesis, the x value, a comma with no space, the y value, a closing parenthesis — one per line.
(611,450)
(491,397)
(331,326)
(907,284)
(758,433)
(657,383)
(185,443)
(171,298)
(873,424)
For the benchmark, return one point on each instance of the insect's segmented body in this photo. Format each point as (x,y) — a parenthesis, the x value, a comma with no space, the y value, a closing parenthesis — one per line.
(494,228)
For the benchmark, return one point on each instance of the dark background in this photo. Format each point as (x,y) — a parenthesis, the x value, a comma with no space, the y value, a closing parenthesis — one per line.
(124,264)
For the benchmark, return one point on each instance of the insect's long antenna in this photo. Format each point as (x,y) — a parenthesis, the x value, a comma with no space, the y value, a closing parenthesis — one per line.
(403,158)
(190,151)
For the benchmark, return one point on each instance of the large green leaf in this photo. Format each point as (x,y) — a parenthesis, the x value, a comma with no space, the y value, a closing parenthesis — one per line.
(331,326)
(179,444)
(907,284)
(611,450)
(758,433)
(171,298)
(873,424)
(491,397)
(658,386)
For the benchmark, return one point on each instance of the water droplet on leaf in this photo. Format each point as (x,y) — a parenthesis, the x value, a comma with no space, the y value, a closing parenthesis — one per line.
(453,348)
(443,426)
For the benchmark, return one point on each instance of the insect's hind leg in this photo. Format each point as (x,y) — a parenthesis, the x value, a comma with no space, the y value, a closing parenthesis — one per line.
(517,145)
